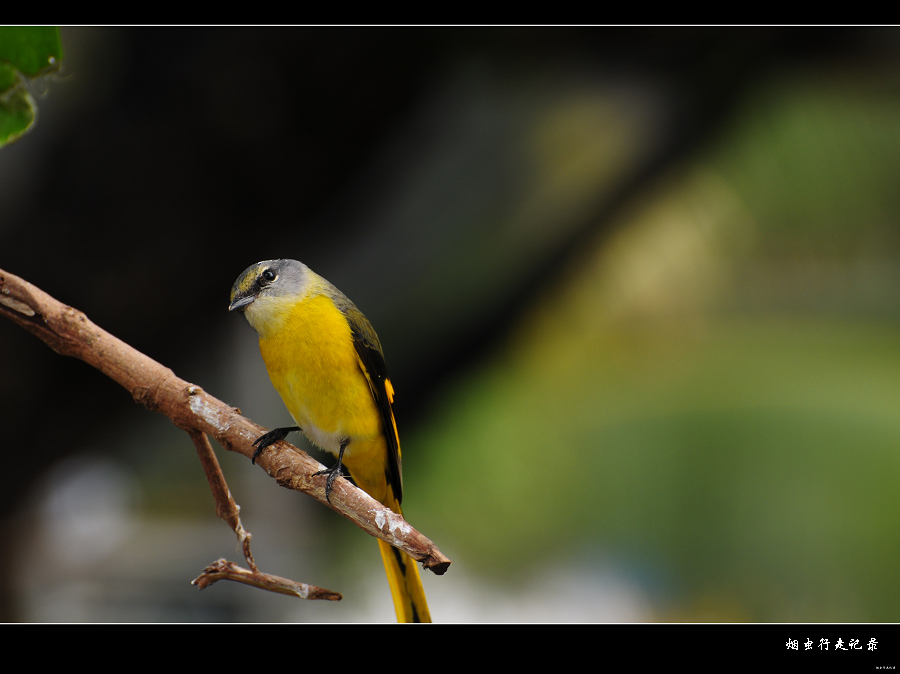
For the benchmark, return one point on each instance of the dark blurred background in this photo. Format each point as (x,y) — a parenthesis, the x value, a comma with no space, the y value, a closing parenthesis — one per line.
(637,290)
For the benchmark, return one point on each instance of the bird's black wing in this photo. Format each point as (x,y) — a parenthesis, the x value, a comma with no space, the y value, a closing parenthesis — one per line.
(371,358)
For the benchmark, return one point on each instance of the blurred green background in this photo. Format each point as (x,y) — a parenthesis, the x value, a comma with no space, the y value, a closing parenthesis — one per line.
(637,289)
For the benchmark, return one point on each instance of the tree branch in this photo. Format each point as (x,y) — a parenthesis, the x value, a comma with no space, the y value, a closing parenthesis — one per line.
(224,570)
(226,508)
(69,332)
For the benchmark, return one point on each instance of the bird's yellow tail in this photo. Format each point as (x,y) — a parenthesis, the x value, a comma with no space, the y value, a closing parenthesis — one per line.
(403,577)
(406,586)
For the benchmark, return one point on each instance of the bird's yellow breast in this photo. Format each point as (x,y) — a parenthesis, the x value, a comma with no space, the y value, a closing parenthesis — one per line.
(308,350)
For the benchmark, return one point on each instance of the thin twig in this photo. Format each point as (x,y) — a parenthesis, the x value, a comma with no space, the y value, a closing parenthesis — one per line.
(225,570)
(226,508)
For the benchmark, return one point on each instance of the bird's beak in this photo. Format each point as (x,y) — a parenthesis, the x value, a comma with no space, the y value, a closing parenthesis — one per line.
(241,303)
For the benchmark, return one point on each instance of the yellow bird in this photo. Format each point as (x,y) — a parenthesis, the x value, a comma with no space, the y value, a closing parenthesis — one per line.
(326,362)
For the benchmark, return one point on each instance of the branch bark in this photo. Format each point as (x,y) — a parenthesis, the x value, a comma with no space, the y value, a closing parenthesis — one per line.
(69,332)
(225,570)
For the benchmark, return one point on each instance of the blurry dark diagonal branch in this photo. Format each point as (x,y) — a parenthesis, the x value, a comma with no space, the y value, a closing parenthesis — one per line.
(69,332)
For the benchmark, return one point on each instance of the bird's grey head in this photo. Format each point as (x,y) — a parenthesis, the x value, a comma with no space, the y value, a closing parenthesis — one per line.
(268,279)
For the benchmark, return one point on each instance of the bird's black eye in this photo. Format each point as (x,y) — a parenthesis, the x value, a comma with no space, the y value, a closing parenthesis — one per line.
(267,277)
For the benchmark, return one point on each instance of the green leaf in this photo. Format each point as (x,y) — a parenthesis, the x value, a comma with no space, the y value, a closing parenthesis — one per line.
(26,52)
